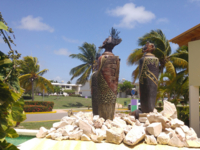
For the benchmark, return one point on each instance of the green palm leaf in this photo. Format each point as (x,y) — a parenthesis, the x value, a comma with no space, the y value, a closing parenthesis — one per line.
(5,61)
(41,81)
(170,68)
(135,74)
(88,57)
(42,72)
(179,62)
(77,71)
(3,26)
(134,57)
(84,78)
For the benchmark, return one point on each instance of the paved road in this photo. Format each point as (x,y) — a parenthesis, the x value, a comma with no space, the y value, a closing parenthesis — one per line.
(49,116)
(43,117)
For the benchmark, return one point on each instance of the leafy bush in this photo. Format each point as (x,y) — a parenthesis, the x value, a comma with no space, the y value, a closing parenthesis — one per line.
(27,97)
(35,108)
(69,91)
(11,103)
(74,95)
(48,106)
(126,86)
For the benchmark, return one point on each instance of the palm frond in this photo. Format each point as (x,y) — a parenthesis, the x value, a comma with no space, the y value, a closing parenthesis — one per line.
(80,57)
(135,56)
(170,68)
(5,61)
(88,50)
(77,71)
(135,74)
(155,36)
(42,72)
(85,77)
(24,77)
(41,82)
(179,62)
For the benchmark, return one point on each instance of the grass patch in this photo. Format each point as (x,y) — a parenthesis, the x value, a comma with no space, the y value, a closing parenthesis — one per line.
(62,102)
(36,125)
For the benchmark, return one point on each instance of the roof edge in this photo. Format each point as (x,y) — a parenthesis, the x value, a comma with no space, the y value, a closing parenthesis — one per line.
(184,33)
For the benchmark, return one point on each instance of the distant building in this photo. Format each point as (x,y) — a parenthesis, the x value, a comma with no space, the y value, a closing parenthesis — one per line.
(65,86)
(85,90)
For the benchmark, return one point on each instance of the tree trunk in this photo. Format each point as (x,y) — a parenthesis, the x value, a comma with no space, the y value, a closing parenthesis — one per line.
(94,92)
(92,67)
(32,90)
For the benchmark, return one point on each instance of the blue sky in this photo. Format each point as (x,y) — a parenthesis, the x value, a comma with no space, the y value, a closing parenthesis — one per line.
(52,30)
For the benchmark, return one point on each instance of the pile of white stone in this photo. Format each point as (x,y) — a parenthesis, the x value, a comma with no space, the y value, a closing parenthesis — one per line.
(152,128)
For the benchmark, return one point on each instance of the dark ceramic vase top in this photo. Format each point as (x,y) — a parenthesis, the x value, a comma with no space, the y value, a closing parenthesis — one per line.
(148,81)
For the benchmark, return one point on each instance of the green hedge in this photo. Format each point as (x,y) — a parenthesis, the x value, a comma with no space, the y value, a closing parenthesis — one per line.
(35,108)
(27,97)
(38,106)
(74,95)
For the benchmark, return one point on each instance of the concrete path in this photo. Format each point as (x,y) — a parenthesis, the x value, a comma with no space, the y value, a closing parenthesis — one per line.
(43,117)
(51,116)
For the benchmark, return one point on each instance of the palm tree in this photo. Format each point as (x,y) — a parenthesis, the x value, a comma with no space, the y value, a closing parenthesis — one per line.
(162,51)
(176,85)
(31,76)
(88,57)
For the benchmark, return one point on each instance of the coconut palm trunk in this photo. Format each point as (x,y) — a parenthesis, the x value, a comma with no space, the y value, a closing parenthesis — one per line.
(32,82)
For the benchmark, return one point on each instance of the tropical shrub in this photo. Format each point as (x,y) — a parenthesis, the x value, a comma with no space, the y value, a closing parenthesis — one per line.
(27,97)
(11,106)
(126,86)
(47,106)
(74,95)
(35,108)
(69,91)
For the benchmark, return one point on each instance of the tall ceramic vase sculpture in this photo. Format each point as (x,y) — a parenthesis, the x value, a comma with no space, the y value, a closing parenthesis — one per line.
(148,78)
(106,80)
(94,88)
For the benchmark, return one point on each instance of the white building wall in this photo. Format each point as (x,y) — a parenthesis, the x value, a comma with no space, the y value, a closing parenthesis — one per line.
(68,86)
(85,89)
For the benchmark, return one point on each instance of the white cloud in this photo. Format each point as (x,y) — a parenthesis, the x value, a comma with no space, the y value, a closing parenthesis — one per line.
(174,46)
(34,24)
(131,15)
(58,78)
(162,20)
(62,51)
(70,40)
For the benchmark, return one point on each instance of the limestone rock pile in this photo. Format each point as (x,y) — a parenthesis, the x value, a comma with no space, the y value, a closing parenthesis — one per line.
(152,128)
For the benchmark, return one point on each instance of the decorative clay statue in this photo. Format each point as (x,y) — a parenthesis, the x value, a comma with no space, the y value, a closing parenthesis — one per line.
(148,78)
(105,81)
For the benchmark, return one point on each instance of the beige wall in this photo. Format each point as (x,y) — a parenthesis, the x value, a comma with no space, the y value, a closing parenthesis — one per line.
(194,83)
(194,63)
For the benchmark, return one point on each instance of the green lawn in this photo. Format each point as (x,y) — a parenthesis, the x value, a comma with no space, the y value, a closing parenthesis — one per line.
(36,125)
(73,102)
